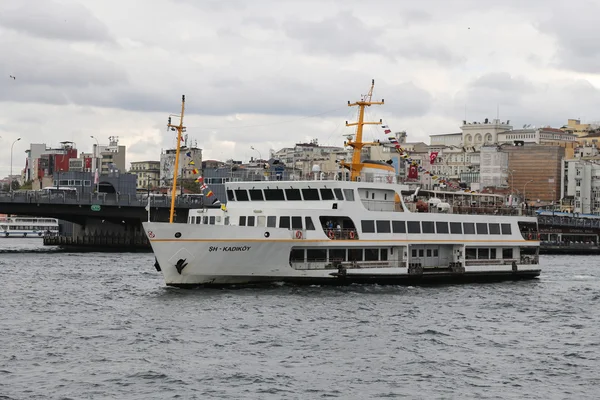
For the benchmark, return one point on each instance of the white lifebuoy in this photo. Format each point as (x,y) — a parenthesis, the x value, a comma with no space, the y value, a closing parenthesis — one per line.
(298,234)
(390,179)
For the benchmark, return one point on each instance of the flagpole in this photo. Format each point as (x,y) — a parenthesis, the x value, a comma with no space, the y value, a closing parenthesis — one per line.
(180,129)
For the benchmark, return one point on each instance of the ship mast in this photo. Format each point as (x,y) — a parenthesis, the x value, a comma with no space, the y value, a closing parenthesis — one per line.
(180,129)
(357,144)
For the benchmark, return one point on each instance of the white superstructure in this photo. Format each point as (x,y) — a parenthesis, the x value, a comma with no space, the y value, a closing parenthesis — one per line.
(28,227)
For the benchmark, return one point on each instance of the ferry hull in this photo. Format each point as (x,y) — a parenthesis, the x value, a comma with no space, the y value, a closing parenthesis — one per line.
(194,255)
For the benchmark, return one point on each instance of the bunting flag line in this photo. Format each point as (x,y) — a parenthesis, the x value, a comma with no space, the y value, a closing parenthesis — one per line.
(199,179)
(393,140)
(210,193)
(203,187)
(415,168)
(386,129)
(192,163)
(195,171)
(215,201)
(188,154)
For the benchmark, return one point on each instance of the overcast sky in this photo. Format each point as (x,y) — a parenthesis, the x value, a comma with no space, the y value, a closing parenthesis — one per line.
(268,73)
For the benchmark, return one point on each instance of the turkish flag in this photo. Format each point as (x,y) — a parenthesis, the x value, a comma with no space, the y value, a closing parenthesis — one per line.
(88,163)
(413,172)
(432,156)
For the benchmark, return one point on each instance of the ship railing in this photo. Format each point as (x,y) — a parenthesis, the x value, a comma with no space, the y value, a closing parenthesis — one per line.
(341,234)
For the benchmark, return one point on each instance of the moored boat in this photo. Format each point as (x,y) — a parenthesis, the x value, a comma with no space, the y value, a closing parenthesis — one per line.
(27,227)
(359,230)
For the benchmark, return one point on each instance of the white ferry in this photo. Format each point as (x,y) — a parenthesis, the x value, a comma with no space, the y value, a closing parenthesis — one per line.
(27,227)
(341,232)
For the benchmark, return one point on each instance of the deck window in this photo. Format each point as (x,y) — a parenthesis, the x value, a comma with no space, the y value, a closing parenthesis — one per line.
(470,253)
(455,227)
(349,194)
(506,230)
(337,255)
(198,220)
(338,194)
(309,224)
(271,221)
(284,222)
(383,255)
(367,226)
(242,221)
(494,229)
(398,227)
(492,254)
(296,222)
(428,227)
(293,194)
(250,221)
(327,194)
(483,254)
(441,227)
(205,220)
(241,194)
(310,194)
(297,255)
(355,254)
(414,227)
(482,228)
(274,194)
(256,195)
(507,253)
(211,220)
(383,226)
(316,255)
(260,220)
(469,228)
(230,196)
(371,254)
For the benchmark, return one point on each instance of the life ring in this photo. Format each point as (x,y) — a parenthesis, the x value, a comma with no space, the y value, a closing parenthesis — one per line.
(298,234)
(529,237)
(351,235)
(330,234)
(390,179)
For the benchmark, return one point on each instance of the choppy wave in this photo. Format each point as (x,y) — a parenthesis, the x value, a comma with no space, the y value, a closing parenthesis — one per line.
(103,325)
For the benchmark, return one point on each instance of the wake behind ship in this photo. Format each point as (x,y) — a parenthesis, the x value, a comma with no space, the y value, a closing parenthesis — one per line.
(357,228)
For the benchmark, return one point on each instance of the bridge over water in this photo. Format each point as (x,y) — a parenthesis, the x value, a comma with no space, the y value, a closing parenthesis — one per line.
(99,215)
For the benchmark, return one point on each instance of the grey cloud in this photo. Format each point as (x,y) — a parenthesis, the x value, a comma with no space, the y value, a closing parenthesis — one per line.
(502,81)
(413,48)
(343,34)
(576,30)
(53,20)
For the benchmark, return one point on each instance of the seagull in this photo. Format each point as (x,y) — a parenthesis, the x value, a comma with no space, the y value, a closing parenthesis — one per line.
(13,77)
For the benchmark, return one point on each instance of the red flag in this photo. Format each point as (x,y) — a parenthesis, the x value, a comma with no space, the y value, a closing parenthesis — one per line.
(413,172)
(432,156)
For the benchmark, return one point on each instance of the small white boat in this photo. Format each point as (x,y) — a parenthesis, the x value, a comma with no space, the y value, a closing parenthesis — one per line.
(27,227)
(360,230)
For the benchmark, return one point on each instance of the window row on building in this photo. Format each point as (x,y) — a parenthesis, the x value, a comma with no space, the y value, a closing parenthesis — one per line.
(71,182)
(290,194)
(439,227)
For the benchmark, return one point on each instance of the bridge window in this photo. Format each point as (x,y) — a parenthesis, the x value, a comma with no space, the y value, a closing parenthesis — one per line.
(230,196)
(482,229)
(469,228)
(309,224)
(242,221)
(338,194)
(284,222)
(414,227)
(296,222)
(256,195)
(241,195)
(250,220)
(398,227)
(271,221)
(367,226)
(383,226)
(455,227)
(441,227)
(310,194)
(506,230)
(494,229)
(274,194)
(349,194)
(428,227)
(327,194)
(293,194)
